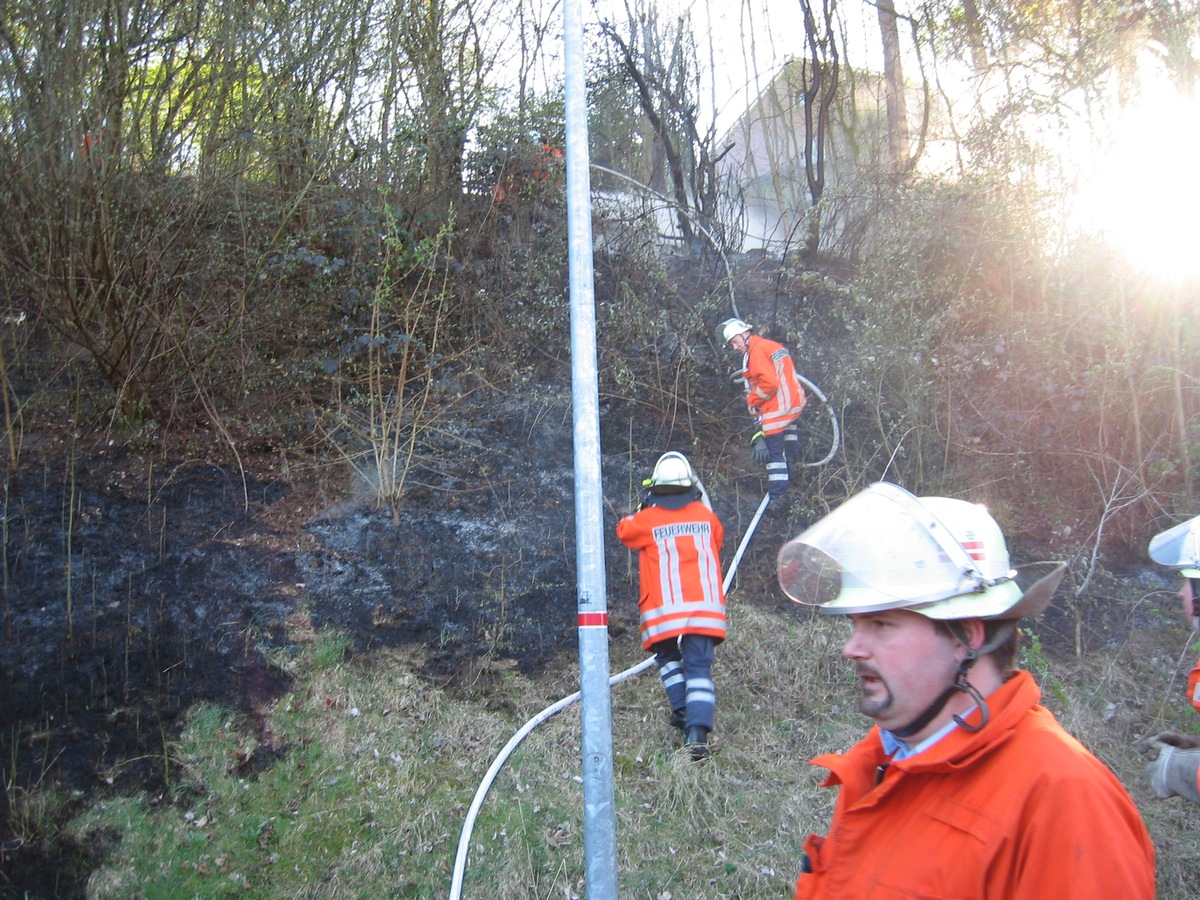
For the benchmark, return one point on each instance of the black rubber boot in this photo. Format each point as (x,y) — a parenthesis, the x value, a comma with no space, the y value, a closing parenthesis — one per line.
(677,719)
(696,742)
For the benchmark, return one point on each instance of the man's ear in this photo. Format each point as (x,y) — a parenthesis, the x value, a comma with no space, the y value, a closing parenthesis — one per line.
(974,632)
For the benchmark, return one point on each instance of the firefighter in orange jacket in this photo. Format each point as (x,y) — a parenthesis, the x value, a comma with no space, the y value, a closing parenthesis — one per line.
(775,400)
(965,786)
(682,601)
(1174,768)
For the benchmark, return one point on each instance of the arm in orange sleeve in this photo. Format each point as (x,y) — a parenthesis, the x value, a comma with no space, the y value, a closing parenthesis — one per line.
(631,532)
(760,372)
(1086,842)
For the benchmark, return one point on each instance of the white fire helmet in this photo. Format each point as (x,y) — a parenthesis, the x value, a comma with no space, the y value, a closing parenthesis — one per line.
(731,328)
(1179,548)
(886,549)
(672,471)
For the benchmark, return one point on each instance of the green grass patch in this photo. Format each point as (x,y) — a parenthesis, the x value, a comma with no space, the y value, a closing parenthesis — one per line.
(358,782)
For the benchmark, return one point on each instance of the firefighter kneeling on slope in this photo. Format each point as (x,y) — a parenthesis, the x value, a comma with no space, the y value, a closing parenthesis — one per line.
(966,786)
(775,400)
(682,597)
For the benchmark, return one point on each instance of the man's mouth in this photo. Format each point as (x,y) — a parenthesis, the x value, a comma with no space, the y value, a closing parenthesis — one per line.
(868,678)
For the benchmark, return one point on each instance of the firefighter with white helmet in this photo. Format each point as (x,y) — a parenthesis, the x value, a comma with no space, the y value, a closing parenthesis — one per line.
(1174,767)
(775,400)
(732,328)
(962,757)
(682,599)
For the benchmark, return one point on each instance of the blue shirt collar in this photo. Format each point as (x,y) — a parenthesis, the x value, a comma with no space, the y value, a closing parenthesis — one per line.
(899,749)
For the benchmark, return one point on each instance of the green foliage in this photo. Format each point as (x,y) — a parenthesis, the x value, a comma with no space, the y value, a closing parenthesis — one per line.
(964,356)
(1033,659)
(614,117)
(388,378)
(510,141)
(158,172)
(203,218)
(894,323)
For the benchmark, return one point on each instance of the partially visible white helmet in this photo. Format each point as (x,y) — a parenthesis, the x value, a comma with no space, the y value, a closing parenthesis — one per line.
(886,549)
(731,328)
(672,471)
(1179,548)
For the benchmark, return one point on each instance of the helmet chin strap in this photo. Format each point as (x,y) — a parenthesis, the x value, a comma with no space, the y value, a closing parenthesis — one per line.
(960,685)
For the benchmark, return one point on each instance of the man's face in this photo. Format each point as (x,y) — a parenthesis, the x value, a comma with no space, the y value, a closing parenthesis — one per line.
(903,663)
(1187,594)
(737,343)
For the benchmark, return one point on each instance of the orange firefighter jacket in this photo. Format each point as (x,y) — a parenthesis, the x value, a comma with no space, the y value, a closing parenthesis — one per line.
(1194,697)
(774,394)
(1019,809)
(679,570)
(1194,686)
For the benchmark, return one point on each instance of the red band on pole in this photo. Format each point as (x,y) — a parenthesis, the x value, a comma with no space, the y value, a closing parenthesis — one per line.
(593,620)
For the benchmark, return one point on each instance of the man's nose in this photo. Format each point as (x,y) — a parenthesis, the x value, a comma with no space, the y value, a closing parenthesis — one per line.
(853,648)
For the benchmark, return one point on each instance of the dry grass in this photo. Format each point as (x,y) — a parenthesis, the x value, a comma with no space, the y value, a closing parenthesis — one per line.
(370,798)
(1111,699)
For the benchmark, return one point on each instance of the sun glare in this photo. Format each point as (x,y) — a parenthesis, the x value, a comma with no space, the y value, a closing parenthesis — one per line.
(1143,193)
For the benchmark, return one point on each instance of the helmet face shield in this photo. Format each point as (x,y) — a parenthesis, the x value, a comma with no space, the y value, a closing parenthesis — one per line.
(885,549)
(876,551)
(808,574)
(1179,548)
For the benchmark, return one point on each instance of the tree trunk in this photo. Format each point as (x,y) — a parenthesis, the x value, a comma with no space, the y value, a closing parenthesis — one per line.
(893,76)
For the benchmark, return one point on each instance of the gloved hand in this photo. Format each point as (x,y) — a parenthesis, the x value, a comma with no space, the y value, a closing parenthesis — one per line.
(1150,747)
(758,449)
(1173,773)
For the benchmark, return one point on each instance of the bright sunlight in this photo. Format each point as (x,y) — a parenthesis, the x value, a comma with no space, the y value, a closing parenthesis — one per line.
(1143,196)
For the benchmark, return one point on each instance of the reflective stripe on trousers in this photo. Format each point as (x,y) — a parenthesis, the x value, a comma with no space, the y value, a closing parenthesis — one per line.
(784,447)
(685,667)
